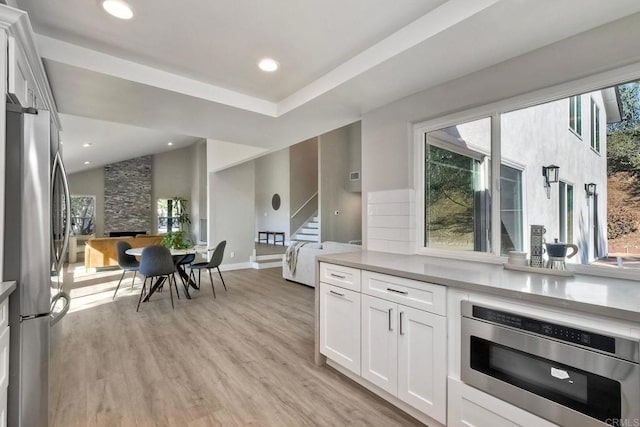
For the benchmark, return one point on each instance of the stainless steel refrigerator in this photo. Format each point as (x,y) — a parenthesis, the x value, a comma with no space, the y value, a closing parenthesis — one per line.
(34,246)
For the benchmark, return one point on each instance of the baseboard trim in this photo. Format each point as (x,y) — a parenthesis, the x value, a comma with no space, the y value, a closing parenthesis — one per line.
(237,266)
(263,265)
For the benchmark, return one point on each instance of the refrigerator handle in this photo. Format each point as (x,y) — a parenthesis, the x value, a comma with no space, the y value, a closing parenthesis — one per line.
(55,318)
(59,166)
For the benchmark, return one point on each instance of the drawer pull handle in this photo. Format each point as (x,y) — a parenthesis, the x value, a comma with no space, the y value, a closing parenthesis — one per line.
(401,313)
(391,329)
(337,276)
(397,291)
(337,293)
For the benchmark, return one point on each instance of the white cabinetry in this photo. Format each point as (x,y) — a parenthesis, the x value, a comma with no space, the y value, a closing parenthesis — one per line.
(422,361)
(404,350)
(20,85)
(4,359)
(338,275)
(469,407)
(391,332)
(380,343)
(340,326)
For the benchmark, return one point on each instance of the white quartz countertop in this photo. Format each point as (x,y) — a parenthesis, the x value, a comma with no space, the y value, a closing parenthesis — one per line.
(604,296)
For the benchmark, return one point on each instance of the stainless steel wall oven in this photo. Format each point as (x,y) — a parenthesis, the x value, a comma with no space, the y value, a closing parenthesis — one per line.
(567,375)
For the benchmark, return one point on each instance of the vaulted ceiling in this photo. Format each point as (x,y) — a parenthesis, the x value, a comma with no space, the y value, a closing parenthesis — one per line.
(189,68)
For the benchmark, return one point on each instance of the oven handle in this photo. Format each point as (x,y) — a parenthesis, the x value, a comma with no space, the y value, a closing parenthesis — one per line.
(626,349)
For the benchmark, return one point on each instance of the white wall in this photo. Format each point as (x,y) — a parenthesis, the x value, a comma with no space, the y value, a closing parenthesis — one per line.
(272,177)
(387,138)
(333,152)
(221,154)
(198,198)
(303,181)
(232,211)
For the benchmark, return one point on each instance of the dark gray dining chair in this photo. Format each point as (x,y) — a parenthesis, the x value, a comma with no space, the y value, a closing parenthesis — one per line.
(214,262)
(157,262)
(126,263)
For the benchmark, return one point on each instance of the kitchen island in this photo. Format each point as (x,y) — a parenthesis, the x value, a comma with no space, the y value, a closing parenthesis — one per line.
(370,302)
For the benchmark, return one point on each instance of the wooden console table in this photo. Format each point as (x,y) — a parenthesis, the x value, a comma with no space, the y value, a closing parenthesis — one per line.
(275,235)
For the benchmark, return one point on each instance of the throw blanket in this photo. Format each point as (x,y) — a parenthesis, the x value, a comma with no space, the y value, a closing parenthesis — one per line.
(291,256)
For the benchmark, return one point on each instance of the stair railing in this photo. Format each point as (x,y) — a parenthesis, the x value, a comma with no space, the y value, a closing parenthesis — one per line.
(304,204)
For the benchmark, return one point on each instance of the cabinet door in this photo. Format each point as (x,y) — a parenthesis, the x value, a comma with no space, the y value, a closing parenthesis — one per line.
(340,326)
(422,361)
(380,343)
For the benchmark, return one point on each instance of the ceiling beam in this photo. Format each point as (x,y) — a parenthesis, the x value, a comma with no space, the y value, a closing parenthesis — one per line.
(81,57)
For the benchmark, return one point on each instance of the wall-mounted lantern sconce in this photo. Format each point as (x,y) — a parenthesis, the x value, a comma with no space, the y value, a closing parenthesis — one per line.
(590,189)
(551,174)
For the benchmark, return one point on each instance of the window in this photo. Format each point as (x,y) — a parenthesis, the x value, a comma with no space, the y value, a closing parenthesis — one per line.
(167,216)
(575,114)
(456,183)
(83,215)
(594,205)
(511,212)
(595,126)
(565,214)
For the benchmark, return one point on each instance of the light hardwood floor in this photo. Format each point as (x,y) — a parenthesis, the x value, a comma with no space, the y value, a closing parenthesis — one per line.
(245,358)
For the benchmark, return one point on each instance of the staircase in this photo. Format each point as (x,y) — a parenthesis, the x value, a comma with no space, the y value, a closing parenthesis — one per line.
(309,232)
(266,261)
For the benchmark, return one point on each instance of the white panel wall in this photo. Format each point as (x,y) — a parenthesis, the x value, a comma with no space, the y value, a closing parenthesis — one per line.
(391,221)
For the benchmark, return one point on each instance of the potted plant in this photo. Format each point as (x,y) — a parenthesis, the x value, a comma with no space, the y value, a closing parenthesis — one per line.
(176,240)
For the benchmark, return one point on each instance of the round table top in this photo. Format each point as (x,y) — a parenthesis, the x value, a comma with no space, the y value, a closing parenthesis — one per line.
(174,252)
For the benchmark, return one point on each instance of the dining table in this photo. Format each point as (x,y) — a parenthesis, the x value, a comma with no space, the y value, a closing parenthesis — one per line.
(178,255)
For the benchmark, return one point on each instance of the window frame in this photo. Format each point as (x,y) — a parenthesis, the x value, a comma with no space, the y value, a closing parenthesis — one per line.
(95,209)
(576,129)
(174,223)
(595,126)
(564,203)
(523,194)
(557,92)
(420,131)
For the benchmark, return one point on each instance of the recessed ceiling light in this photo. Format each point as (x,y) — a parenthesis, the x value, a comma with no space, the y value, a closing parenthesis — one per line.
(87,162)
(269,65)
(86,145)
(118,8)
(170,144)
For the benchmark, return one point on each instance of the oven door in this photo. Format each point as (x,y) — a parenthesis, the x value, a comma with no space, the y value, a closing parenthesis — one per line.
(565,384)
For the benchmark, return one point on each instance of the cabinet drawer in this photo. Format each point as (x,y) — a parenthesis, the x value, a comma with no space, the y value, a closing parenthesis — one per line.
(345,277)
(420,295)
(4,358)
(4,313)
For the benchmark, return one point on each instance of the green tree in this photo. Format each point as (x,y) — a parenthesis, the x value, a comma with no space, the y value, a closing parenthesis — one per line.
(623,137)
(629,102)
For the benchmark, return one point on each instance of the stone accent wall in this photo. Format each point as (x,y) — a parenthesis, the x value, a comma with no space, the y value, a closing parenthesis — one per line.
(127,195)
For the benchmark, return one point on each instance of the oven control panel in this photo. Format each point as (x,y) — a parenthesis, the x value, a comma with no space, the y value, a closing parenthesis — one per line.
(548,329)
